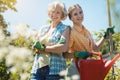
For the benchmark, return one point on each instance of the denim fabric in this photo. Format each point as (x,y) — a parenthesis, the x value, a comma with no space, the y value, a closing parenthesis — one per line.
(40,74)
(55,77)
(43,74)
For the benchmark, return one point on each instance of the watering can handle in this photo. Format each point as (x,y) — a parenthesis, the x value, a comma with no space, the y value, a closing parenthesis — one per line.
(97,54)
(77,60)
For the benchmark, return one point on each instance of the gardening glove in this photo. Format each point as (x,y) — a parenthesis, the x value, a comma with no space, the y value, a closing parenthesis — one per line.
(62,41)
(83,54)
(37,45)
(109,30)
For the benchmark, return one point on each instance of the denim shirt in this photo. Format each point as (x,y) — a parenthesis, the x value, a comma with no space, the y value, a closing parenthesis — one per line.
(57,62)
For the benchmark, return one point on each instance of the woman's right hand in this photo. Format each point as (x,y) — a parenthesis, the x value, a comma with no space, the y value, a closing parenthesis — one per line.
(37,45)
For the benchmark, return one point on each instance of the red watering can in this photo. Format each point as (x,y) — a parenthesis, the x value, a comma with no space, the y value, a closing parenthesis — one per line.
(94,69)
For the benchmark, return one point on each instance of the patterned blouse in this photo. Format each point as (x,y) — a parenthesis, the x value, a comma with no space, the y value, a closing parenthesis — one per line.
(56,61)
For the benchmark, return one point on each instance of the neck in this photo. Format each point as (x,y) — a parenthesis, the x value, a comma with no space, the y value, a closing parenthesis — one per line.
(77,25)
(54,24)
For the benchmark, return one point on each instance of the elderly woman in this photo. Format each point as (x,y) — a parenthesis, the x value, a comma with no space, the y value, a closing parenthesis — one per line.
(51,43)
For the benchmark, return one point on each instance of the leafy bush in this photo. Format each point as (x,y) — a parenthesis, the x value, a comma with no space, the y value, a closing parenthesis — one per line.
(4,71)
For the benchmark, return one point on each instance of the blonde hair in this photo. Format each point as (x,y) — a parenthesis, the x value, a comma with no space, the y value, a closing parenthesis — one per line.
(53,5)
(71,8)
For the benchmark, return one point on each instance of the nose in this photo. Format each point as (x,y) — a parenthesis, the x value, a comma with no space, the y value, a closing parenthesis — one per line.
(54,14)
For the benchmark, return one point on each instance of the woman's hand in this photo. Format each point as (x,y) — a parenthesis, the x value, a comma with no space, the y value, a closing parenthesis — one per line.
(82,55)
(37,45)
(108,31)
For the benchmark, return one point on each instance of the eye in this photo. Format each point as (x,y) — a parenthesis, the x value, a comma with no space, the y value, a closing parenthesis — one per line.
(80,12)
(58,12)
(52,11)
(75,14)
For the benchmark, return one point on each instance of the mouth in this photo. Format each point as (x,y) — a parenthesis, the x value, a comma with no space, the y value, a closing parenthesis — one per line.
(79,19)
(54,18)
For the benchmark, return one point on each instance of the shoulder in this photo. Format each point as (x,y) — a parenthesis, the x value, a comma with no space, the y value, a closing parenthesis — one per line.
(63,27)
(86,30)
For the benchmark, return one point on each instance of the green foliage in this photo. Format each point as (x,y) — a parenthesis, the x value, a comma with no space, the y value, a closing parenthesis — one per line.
(5,5)
(116,39)
(68,62)
(115,13)
(113,75)
(48,21)
(22,41)
(105,47)
(3,24)
(15,76)
(4,72)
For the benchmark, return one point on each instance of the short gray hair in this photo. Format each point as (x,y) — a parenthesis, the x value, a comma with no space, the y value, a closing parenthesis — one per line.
(53,5)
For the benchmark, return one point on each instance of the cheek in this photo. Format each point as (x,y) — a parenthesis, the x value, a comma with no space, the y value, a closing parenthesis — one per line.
(60,15)
(73,18)
(83,16)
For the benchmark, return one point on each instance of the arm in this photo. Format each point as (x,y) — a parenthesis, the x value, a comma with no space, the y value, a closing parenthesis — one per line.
(70,53)
(106,35)
(97,45)
(60,48)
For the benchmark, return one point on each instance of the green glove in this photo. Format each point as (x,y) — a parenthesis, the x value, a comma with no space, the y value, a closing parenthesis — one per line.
(62,41)
(83,54)
(38,45)
(109,30)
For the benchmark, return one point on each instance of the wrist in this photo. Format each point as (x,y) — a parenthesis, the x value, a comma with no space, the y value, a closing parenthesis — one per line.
(44,47)
(105,36)
(82,55)
(76,54)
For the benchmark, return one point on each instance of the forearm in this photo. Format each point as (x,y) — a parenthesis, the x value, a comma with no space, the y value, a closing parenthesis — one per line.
(98,44)
(68,55)
(58,48)
(62,45)
(106,35)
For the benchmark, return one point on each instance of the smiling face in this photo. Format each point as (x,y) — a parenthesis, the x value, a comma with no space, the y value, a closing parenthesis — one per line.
(56,14)
(76,14)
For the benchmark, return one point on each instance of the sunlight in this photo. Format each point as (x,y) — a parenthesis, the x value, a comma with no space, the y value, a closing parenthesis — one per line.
(21,4)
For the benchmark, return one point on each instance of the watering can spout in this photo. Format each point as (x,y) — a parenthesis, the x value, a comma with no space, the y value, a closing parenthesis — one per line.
(96,69)
(108,64)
